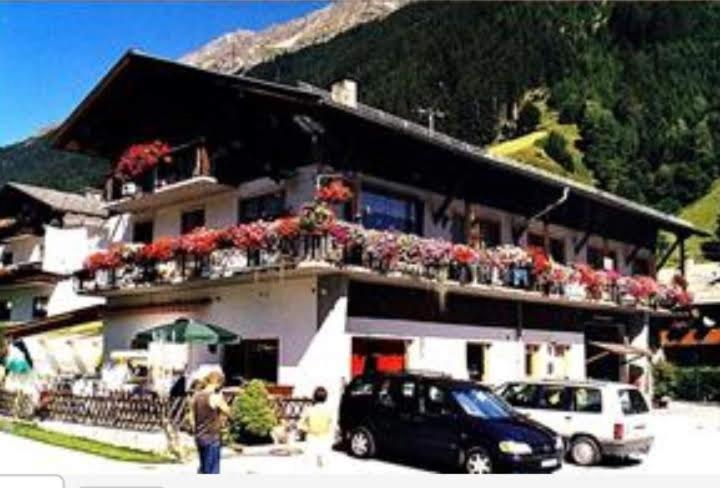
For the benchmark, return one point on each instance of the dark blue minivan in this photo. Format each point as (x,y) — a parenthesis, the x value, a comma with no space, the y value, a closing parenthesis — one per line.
(459,423)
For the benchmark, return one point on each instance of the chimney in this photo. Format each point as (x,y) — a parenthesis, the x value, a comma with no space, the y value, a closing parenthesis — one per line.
(344,92)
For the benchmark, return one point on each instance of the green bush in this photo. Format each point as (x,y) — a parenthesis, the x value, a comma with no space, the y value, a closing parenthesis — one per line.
(253,412)
(528,118)
(687,383)
(555,146)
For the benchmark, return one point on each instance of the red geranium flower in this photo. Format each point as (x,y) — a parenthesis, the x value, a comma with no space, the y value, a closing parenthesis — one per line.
(463,254)
(139,158)
(334,192)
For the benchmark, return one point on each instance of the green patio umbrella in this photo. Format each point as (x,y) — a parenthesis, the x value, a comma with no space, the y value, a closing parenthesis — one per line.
(185,330)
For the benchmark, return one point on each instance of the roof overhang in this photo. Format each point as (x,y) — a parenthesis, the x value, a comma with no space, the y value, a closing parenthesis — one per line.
(54,322)
(146,98)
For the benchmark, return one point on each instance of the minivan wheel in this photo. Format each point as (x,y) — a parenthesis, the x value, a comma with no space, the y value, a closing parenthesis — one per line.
(362,443)
(477,461)
(584,451)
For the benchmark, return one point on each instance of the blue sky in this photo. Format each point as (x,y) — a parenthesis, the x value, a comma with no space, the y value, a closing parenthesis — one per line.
(52,54)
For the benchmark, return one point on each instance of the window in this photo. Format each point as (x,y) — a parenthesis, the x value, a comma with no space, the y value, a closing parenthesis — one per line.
(266,207)
(192,220)
(388,211)
(435,401)
(40,307)
(554,397)
(143,232)
(532,359)
(587,400)
(641,266)
(476,357)
(557,250)
(252,359)
(408,396)
(5,309)
(482,404)
(7,258)
(535,240)
(595,257)
(489,231)
(361,387)
(522,395)
(385,394)
(632,402)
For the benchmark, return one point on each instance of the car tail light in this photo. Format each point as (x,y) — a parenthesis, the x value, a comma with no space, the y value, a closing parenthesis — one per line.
(618,432)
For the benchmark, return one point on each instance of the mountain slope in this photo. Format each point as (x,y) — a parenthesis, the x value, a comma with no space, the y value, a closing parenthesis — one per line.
(34,161)
(242,49)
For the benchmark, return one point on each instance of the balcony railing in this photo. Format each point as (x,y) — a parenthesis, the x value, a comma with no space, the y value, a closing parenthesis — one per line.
(315,237)
(187,161)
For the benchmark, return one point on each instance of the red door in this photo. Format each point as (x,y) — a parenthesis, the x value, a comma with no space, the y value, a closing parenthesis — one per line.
(388,354)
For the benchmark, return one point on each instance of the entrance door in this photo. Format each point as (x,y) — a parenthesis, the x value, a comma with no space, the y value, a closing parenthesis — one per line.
(383,355)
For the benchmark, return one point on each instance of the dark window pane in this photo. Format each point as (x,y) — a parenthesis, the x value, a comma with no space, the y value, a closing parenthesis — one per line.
(554,397)
(252,359)
(595,257)
(476,361)
(489,232)
(587,400)
(522,395)
(535,240)
(143,232)
(632,402)
(7,258)
(557,250)
(192,220)
(386,211)
(40,307)
(5,309)
(266,207)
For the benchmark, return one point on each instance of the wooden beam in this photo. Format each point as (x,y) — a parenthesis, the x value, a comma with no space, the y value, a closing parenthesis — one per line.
(583,240)
(449,197)
(668,253)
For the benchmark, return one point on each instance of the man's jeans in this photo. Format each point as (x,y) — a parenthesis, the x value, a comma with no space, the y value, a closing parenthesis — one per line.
(209,453)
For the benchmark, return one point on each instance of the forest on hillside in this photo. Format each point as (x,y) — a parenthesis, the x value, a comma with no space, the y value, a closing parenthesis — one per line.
(640,80)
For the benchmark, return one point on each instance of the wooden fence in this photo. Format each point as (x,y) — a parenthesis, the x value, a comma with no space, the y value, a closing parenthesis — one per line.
(141,412)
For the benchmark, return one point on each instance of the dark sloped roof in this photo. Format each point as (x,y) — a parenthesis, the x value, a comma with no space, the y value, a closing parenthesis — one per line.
(62,201)
(320,99)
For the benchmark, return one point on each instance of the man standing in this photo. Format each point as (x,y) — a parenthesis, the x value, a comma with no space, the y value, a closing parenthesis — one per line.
(208,408)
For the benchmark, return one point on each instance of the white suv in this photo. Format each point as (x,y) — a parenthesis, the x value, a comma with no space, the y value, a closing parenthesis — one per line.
(595,418)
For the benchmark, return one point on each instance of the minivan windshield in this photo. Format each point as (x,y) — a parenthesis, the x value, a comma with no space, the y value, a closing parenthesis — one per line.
(482,404)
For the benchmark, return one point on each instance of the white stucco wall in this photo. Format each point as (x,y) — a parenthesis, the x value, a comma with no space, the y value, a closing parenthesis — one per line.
(443,347)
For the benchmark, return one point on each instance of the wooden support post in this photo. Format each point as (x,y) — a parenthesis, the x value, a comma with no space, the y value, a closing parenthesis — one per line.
(682,255)
(468,223)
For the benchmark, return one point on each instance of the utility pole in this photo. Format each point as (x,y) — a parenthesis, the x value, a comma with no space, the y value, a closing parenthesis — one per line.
(431,113)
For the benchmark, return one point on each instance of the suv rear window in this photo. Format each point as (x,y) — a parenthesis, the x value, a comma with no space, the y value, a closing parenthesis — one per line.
(632,402)
(587,400)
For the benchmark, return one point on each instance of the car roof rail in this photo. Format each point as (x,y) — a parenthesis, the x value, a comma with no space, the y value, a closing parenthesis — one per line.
(430,373)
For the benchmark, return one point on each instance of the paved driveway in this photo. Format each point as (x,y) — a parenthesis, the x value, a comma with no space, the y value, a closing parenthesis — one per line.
(686,442)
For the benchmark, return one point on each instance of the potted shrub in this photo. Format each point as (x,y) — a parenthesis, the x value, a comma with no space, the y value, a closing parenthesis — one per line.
(253,415)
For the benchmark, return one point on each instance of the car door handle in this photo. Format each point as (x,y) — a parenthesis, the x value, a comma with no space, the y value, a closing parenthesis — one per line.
(568,417)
